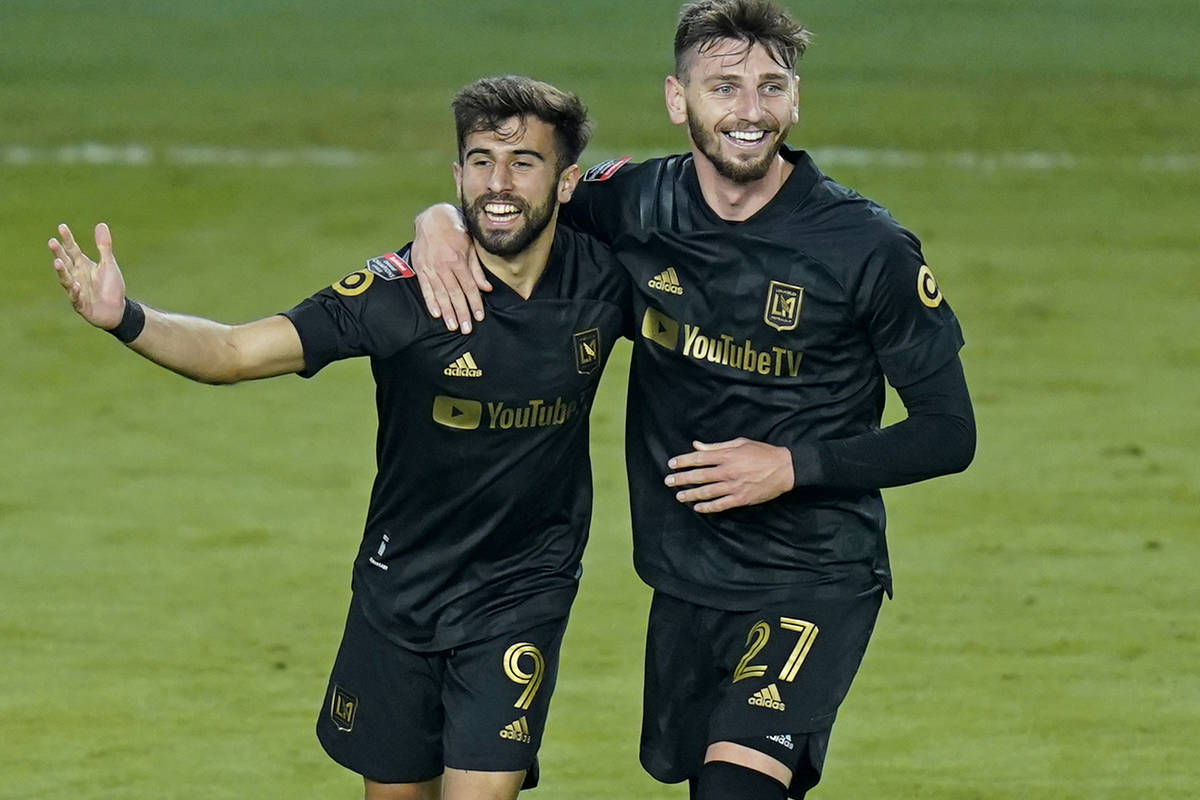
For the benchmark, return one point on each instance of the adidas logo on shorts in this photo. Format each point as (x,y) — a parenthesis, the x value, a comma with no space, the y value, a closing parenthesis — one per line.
(463,367)
(517,731)
(666,281)
(784,739)
(768,698)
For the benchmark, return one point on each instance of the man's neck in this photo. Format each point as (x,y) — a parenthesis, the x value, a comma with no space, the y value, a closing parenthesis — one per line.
(736,202)
(522,271)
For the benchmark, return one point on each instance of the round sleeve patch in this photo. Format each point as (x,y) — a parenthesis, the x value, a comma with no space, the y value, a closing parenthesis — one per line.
(927,288)
(355,283)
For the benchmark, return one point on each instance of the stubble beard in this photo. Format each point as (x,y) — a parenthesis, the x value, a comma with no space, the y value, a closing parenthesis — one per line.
(740,172)
(507,243)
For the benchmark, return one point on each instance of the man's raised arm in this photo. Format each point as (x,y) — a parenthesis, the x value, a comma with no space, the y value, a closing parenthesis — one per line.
(196,348)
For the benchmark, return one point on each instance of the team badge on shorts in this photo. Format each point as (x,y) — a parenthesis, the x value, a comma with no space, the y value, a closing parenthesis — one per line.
(587,350)
(783,306)
(342,708)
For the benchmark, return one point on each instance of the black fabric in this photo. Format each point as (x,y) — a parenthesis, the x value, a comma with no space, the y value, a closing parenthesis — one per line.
(765,678)
(397,716)
(719,780)
(782,328)
(480,508)
(936,438)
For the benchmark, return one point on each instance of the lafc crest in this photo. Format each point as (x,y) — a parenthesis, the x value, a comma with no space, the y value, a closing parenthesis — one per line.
(783,306)
(587,350)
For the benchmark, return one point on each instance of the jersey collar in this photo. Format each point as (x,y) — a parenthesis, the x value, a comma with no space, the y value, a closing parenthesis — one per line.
(792,194)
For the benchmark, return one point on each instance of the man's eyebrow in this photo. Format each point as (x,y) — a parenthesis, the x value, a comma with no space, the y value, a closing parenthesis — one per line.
(487,151)
(734,77)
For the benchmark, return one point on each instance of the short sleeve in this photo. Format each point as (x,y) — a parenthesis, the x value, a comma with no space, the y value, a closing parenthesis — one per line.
(595,208)
(911,326)
(363,314)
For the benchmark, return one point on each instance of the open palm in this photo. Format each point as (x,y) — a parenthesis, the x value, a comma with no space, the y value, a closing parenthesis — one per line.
(96,290)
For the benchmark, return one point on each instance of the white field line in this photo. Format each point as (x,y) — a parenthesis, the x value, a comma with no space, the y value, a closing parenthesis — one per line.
(139,155)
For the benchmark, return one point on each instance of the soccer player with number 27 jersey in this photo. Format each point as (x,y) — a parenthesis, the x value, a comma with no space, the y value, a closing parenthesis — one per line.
(771,304)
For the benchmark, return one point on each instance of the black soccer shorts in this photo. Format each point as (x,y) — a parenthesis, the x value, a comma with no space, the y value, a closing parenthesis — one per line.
(397,716)
(770,679)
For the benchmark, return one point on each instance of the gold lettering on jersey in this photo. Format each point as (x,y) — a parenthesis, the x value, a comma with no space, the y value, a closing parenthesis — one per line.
(534,414)
(776,361)
(587,350)
(927,288)
(355,283)
(457,413)
(783,306)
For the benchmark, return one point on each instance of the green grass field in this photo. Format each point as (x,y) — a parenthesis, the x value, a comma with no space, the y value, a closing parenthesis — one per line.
(176,557)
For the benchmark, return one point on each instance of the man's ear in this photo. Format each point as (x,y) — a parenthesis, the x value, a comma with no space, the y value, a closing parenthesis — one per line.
(795,99)
(567,182)
(457,167)
(676,98)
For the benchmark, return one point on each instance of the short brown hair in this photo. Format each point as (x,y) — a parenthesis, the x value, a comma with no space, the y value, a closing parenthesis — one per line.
(704,22)
(488,102)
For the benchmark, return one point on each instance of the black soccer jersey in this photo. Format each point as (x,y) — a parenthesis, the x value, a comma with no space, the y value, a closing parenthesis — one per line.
(480,508)
(782,329)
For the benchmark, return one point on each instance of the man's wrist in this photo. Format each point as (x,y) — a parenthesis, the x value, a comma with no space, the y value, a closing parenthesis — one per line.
(808,465)
(133,319)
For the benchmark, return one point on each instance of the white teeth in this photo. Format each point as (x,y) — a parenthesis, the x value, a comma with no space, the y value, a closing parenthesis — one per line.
(746,136)
(500,209)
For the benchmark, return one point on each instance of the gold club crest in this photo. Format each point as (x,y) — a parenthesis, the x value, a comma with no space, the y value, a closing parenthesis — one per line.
(587,350)
(783,306)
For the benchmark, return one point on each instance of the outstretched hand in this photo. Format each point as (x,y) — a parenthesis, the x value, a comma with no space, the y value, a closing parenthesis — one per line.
(725,475)
(96,290)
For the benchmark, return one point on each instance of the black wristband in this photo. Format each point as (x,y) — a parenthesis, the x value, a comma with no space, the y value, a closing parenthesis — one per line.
(132,322)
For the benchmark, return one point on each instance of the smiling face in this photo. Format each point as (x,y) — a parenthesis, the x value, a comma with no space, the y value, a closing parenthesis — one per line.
(739,105)
(509,184)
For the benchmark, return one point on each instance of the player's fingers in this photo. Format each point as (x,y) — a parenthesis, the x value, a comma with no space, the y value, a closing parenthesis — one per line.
(702,494)
(68,241)
(694,477)
(720,504)
(719,445)
(474,299)
(442,301)
(696,458)
(104,241)
(60,271)
(431,304)
(459,308)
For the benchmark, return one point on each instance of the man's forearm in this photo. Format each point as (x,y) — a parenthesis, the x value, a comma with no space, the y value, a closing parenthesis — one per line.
(212,352)
(937,438)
